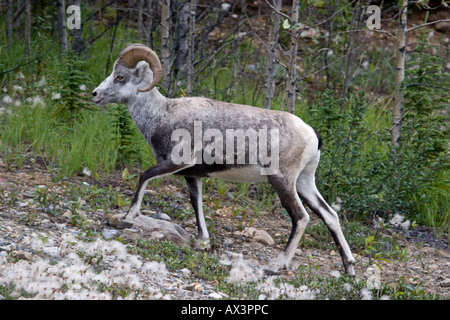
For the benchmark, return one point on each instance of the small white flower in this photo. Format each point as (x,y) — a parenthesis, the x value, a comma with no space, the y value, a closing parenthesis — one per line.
(101,278)
(42,82)
(7,99)
(133,282)
(17,88)
(337,205)
(20,75)
(135,262)
(366,294)
(121,268)
(405,225)
(87,172)
(397,221)
(225,6)
(56,95)
(36,100)
(83,87)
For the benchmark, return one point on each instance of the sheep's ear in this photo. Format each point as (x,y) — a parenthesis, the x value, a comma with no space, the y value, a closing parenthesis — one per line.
(140,70)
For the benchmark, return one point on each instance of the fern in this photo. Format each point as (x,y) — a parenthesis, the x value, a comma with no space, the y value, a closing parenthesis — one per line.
(71,78)
(128,149)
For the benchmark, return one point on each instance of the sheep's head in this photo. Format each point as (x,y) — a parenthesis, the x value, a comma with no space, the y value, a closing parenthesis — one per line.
(137,69)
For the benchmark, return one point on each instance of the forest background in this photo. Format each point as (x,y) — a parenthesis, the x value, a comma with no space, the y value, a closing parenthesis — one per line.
(378,97)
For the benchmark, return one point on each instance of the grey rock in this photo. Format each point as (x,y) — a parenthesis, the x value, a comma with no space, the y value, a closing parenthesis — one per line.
(185,272)
(131,234)
(164,217)
(168,230)
(109,234)
(445,283)
(258,235)
(215,295)
(23,255)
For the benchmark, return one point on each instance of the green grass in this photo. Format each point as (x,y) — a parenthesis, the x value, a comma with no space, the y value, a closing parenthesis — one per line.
(372,243)
(201,264)
(89,142)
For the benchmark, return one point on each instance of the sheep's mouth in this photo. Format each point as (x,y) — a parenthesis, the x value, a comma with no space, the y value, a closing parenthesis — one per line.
(98,101)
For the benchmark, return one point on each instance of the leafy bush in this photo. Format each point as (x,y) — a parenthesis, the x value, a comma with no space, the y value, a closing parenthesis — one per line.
(358,165)
(353,154)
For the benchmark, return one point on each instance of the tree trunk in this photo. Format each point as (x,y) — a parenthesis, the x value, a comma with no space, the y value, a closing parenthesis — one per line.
(397,113)
(61,6)
(18,14)
(351,44)
(140,26)
(77,44)
(271,54)
(182,37)
(151,8)
(9,29)
(165,49)
(91,19)
(113,39)
(191,52)
(28,31)
(295,31)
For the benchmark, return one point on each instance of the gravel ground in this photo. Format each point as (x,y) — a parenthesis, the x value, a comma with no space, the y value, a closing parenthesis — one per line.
(43,255)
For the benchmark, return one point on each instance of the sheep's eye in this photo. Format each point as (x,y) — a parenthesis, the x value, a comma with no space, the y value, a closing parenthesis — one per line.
(120,78)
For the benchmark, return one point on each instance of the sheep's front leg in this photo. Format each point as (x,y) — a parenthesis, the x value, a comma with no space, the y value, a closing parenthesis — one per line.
(195,192)
(162,169)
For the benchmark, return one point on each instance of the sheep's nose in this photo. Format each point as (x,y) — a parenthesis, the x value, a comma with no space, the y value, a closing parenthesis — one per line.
(94,93)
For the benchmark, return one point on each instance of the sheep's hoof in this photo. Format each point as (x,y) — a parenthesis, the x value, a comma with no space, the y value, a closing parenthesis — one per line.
(117,222)
(350,270)
(270,272)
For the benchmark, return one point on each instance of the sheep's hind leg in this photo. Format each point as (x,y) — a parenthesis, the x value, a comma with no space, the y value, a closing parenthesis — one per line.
(291,202)
(308,192)
(160,170)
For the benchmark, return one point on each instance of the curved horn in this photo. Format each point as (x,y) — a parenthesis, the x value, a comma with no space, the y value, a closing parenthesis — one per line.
(134,53)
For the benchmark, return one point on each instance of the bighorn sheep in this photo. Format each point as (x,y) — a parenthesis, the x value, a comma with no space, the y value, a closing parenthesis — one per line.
(189,135)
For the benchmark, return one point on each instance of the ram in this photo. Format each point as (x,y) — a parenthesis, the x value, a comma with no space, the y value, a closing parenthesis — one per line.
(197,137)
